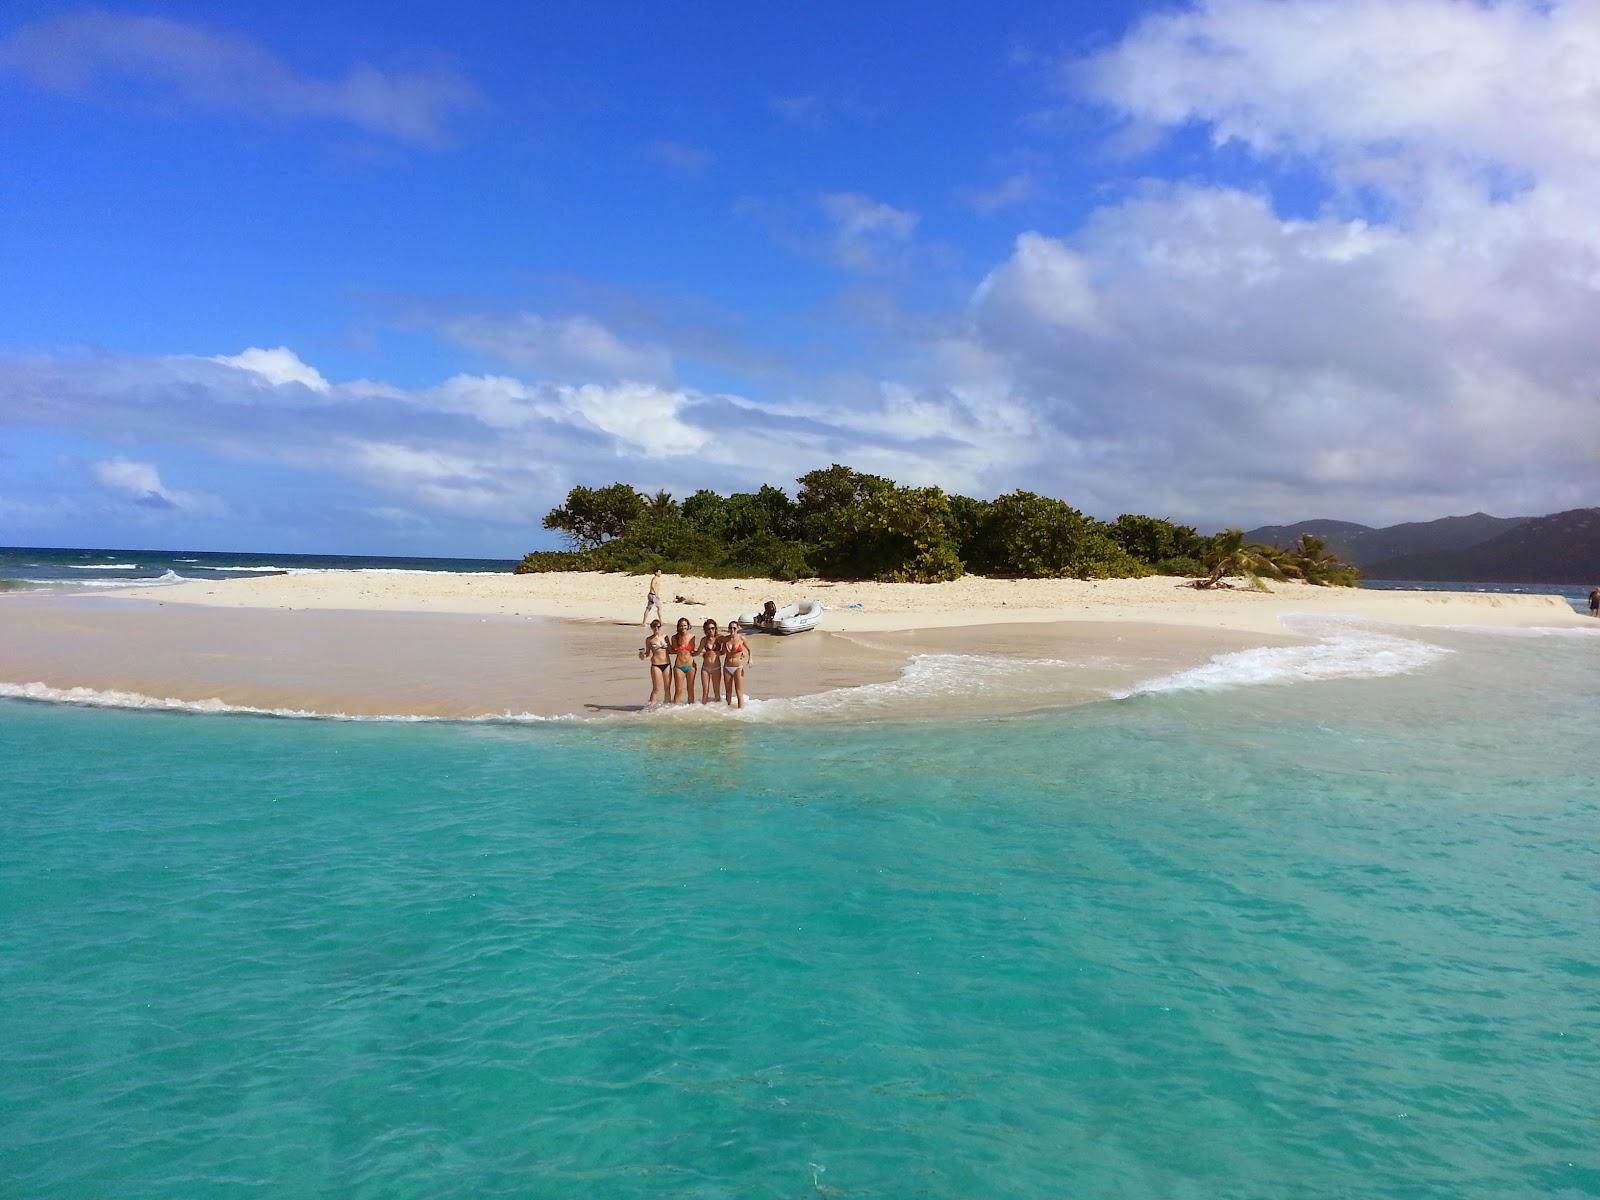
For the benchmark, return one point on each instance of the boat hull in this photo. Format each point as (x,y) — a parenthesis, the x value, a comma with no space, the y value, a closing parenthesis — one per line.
(790,619)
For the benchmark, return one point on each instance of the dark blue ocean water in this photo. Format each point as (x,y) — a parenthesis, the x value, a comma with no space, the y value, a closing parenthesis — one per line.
(1257,940)
(1575,594)
(22,566)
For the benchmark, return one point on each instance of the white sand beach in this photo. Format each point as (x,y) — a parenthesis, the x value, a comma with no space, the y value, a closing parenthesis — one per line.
(862,607)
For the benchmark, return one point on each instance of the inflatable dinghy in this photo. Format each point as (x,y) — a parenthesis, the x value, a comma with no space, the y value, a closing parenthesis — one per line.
(791,618)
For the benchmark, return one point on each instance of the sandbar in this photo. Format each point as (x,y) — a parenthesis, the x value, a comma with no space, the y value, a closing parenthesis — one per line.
(434,644)
(450,665)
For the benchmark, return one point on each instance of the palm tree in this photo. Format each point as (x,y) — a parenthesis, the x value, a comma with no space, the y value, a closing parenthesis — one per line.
(661,504)
(1229,555)
(1311,561)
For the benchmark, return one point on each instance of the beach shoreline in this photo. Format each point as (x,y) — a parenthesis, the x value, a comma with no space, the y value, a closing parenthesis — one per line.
(454,666)
(447,646)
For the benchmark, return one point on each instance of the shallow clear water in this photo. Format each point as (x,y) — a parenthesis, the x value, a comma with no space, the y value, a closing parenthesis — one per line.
(1337,938)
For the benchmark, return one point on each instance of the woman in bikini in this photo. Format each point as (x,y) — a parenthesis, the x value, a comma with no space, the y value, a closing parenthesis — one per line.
(735,658)
(710,663)
(655,652)
(683,664)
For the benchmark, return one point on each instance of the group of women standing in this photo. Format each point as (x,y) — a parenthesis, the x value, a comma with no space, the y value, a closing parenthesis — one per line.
(718,659)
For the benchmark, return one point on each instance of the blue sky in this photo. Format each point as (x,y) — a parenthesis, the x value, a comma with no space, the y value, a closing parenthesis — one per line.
(295,277)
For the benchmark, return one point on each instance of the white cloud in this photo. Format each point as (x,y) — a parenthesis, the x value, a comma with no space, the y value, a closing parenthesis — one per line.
(572,346)
(120,54)
(141,483)
(1045,281)
(1416,82)
(492,448)
(275,367)
(1423,344)
(864,234)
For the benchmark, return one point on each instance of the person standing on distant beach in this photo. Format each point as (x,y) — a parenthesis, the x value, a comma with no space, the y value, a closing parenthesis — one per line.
(653,600)
(1594,602)
(735,658)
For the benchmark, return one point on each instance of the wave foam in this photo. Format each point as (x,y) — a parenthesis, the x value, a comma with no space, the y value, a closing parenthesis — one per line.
(86,697)
(270,569)
(1529,631)
(104,567)
(78,584)
(929,682)
(1347,653)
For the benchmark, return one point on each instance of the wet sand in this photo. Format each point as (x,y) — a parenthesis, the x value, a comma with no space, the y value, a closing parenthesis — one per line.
(384,663)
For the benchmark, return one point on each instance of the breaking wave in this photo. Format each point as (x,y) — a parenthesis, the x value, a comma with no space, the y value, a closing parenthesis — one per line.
(76,584)
(111,698)
(1344,653)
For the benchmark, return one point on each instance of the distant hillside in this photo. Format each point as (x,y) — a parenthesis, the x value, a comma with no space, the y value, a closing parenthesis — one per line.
(1560,548)
(1341,536)
(1366,546)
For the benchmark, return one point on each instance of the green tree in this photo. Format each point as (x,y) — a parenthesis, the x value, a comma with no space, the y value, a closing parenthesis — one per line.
(706,511)
(827,493)
(661,504)
(1041,537)
(900,535)
(661,540)
(1170,548)
(968,520)
(592,516)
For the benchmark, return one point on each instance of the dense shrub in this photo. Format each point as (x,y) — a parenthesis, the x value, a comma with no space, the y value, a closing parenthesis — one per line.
(1040,537)
(1156,541)
(847,524)
(535,562)
(896,534)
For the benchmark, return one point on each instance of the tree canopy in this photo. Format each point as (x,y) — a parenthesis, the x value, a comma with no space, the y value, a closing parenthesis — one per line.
(846,524)
(592,516)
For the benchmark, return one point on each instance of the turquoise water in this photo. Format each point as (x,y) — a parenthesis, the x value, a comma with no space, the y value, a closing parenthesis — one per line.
(1330,939)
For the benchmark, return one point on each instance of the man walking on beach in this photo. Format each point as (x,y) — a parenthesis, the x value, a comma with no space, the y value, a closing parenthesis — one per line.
(1594,602)
(653,600)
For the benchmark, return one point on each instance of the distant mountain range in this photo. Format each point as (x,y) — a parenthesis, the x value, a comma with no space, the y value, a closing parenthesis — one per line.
(1560,548)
